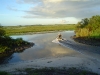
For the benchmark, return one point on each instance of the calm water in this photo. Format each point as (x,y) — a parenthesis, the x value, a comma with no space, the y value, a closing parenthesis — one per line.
(45,48)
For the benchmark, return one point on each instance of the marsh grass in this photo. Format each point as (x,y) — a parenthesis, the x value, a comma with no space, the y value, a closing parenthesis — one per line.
(53,71)
(84,32)
(13,30)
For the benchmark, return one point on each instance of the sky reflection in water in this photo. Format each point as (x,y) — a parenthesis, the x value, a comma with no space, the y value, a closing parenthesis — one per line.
(44,47)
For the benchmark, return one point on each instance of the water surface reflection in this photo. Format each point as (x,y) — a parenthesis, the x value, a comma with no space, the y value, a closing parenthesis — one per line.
(44,47)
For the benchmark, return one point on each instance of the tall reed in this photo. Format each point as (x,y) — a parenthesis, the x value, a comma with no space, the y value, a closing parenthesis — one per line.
(82,32)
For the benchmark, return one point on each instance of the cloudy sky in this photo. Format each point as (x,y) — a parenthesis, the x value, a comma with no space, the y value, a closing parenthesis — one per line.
(29,12)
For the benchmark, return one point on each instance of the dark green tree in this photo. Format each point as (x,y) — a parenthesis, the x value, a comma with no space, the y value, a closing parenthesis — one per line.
(94,22)
(2,32)
(83,23)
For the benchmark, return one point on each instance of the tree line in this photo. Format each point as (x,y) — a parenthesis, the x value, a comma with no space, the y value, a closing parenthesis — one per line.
(89,27)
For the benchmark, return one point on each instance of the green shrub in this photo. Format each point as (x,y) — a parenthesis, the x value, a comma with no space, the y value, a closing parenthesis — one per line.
(4,73)
(82,32)
(89,27)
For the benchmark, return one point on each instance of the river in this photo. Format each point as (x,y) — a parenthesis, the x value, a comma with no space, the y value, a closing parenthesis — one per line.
(69,52)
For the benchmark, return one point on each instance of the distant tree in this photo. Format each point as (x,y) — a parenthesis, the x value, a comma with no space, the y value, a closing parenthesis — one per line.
(83,23)
(0,25)
(2,32)
(20,25)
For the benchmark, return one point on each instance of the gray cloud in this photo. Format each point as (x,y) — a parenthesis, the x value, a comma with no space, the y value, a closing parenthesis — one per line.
(12,8)
(62,8)
(27,1)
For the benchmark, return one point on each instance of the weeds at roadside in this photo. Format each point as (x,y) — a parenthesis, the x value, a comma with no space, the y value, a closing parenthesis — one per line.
(54,71)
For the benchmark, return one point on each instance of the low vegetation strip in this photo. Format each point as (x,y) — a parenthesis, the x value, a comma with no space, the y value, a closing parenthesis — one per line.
(13,30)
(49,71)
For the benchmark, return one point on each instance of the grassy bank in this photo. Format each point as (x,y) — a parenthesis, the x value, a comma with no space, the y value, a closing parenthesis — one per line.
(10,45)
(49,71)
(13,30)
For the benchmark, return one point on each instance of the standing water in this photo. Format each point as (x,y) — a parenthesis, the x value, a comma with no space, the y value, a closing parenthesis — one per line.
(45,48)
(69,50)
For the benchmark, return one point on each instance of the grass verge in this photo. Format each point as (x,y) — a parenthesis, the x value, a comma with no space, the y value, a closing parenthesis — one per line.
(52,71)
